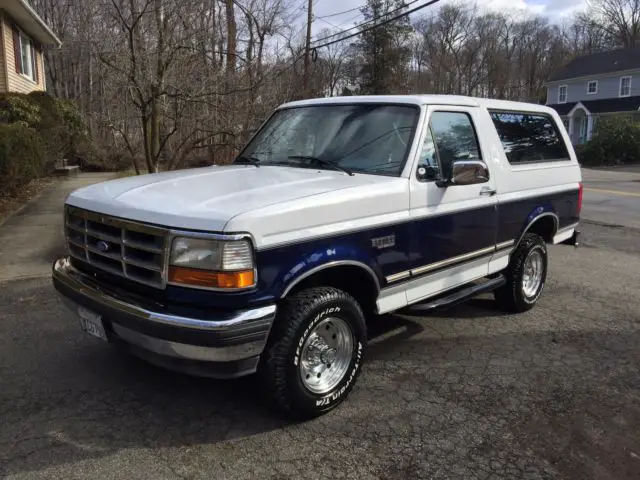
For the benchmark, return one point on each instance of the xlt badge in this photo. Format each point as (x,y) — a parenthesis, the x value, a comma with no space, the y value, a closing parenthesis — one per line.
(383,242)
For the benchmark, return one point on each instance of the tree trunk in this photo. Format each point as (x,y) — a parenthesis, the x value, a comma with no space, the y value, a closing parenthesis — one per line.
(231,37)
(154,135)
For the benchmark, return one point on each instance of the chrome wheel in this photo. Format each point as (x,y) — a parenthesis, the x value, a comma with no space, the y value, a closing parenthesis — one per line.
(533,273)
(326,355)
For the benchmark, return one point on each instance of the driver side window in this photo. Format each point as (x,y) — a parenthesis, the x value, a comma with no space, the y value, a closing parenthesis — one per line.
(451,136)
(429,154)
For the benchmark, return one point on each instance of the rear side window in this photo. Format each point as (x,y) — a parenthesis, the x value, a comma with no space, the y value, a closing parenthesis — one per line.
(529,137)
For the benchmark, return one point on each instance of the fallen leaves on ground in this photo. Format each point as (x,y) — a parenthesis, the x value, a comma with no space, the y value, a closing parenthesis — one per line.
(10,203)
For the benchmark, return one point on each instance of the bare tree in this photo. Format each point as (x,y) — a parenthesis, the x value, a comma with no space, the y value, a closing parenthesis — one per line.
(171,84)
(618,19)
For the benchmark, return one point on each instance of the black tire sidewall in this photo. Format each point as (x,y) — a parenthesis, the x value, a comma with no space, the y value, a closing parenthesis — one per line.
(531,300)
(304,399)
(511,296)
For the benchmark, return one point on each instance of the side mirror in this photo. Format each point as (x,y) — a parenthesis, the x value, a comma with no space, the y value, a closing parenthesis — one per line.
(467,172)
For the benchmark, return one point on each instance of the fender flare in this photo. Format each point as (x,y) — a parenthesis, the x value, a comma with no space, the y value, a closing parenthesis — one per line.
(556,220)
(328,265)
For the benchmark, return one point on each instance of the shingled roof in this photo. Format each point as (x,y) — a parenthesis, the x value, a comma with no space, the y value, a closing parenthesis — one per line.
(605,105)
(598,63)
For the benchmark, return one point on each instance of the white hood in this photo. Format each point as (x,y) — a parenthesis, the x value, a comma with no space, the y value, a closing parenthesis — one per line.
(208,198)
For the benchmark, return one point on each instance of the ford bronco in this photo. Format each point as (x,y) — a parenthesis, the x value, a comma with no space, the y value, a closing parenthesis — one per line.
(336,210)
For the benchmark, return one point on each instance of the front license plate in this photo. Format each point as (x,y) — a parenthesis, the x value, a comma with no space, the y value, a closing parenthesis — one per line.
(91,323)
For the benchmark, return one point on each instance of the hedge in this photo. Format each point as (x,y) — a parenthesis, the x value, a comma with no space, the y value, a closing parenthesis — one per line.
(53,128)
(22,156)
(617,142)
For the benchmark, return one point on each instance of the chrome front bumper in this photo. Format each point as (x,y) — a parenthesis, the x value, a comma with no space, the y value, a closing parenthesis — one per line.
(228,345)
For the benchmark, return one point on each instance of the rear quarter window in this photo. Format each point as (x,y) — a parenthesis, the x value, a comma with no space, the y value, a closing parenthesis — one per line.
(529,137)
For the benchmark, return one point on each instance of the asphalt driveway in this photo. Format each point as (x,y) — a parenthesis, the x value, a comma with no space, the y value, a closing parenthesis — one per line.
(612,197)
(465,393)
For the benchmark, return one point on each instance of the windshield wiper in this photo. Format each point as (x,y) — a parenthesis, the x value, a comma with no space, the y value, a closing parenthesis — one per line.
(322,161)
(247,160)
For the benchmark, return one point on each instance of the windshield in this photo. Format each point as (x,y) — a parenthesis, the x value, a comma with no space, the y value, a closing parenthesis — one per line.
(365,138)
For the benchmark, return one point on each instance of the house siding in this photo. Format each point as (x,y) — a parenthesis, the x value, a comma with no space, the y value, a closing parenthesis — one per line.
(3,57)
(15,82)
(608,87)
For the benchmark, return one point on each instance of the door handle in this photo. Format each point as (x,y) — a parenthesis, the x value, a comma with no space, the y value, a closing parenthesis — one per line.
(488,191)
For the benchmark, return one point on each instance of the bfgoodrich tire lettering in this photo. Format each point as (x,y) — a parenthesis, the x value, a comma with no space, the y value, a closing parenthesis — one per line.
(513,296)
(280,368)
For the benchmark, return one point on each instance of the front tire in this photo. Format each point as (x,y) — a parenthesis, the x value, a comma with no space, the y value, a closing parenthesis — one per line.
(315,352)
(526,275)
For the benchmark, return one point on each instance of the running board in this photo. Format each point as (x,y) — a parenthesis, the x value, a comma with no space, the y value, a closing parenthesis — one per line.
(448,299)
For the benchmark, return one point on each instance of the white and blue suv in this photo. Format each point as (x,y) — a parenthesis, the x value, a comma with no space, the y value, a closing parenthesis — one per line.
(337,210)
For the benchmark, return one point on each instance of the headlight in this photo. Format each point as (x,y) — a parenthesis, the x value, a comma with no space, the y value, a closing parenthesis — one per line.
(208,263)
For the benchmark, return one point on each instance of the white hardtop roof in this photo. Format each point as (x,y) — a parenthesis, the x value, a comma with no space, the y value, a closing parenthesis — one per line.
(458,100)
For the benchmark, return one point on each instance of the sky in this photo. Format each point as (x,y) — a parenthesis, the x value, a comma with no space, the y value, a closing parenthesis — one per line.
(554,9)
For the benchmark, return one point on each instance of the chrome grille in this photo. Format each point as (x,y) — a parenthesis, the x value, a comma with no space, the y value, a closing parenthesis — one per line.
(132,250)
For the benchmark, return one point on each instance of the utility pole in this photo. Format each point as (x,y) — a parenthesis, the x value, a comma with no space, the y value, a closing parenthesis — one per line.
(307,48)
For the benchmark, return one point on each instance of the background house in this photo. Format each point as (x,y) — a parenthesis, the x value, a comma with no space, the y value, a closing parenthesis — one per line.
(594,85)
(23,37)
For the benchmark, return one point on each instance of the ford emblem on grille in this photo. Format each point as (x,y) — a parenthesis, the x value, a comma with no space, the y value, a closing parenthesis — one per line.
(102,245)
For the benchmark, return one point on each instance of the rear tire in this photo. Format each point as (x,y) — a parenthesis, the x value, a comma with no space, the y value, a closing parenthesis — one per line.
(315,352)
(526,275)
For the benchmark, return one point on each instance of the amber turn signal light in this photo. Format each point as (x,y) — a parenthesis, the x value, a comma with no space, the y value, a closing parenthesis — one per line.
(206,278)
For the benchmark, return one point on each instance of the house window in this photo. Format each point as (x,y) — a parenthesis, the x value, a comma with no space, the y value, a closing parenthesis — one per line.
(25,56)
(562,94)
(625,86)
(592,87)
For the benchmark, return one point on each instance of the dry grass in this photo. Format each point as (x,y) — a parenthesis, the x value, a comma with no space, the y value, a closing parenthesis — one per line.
(11,203)
(125,173)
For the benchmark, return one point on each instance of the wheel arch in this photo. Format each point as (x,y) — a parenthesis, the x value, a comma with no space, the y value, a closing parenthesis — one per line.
(545,224)
(354,277)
